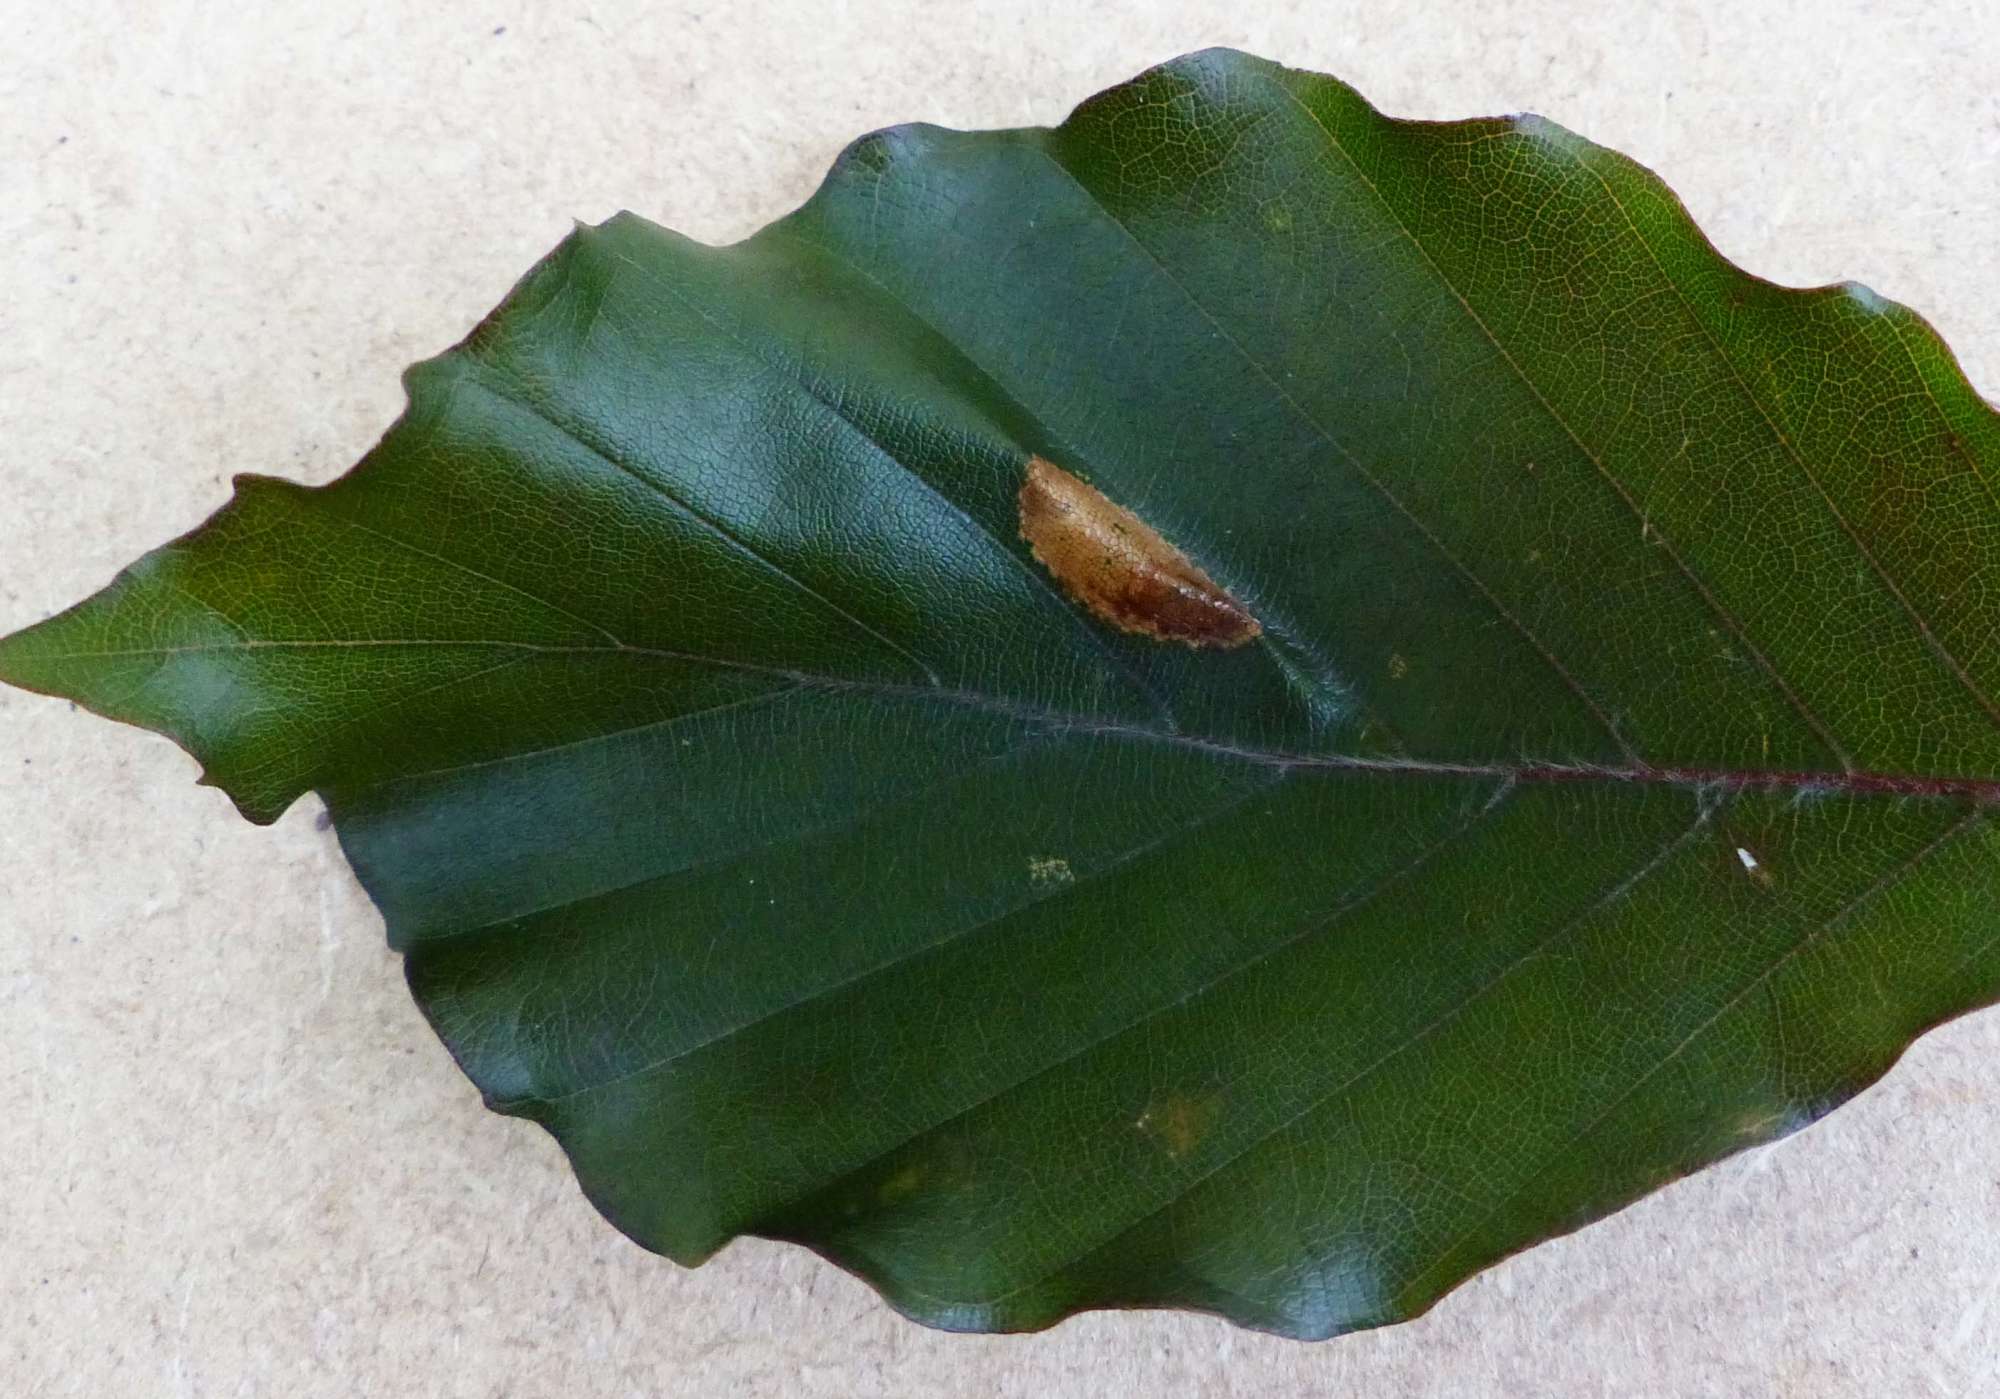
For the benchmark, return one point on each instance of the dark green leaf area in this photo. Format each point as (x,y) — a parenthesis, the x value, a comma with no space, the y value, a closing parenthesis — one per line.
(1608,786)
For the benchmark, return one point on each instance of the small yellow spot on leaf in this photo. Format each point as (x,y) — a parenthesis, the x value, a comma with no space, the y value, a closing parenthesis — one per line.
(1398,667)
(901,1185)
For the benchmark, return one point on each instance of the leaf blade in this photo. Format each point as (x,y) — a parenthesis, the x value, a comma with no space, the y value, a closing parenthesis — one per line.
(754,813)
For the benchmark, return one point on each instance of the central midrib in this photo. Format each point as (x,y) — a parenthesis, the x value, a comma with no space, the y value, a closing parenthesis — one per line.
(1859,782)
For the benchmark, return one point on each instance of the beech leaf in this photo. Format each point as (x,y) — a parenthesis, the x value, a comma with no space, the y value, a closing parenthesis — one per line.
(1236,704)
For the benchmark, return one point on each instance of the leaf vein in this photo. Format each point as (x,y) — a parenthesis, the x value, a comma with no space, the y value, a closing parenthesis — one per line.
(1889,880)
(813,392)
(1889,583)
(1624,493)
(1657,860)
(822,993)
(1354,462)
(709,522)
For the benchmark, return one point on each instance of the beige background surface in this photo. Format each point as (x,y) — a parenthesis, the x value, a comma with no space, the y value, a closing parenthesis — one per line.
(232,1159)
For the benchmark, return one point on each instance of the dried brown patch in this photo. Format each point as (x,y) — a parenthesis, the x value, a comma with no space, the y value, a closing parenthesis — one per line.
(1119,567)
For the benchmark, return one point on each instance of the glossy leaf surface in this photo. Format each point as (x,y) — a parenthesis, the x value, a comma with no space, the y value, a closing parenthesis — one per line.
(1603,785)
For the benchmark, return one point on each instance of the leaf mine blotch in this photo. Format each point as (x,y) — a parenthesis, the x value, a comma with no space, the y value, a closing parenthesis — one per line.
(1118,566)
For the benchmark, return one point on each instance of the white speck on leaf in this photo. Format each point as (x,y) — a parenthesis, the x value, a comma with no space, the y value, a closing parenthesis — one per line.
(1049,869)
(1867,298)
(1552,134)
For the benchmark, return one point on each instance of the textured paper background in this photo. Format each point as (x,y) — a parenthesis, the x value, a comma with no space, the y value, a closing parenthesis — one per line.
(232,1159)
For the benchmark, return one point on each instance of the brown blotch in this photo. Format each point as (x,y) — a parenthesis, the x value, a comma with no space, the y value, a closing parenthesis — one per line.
(1119,567)
(1180,1121)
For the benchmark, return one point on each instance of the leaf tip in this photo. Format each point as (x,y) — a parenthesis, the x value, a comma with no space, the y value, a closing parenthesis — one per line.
(10,657)
(25,659)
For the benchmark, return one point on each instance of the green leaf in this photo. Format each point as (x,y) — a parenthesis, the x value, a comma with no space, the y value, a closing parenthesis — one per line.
(1607,785)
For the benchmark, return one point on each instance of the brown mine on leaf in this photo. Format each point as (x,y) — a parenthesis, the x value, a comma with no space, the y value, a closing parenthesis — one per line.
(1118,566)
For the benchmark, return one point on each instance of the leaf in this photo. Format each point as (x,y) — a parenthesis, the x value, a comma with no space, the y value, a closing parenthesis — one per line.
(1587,769)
